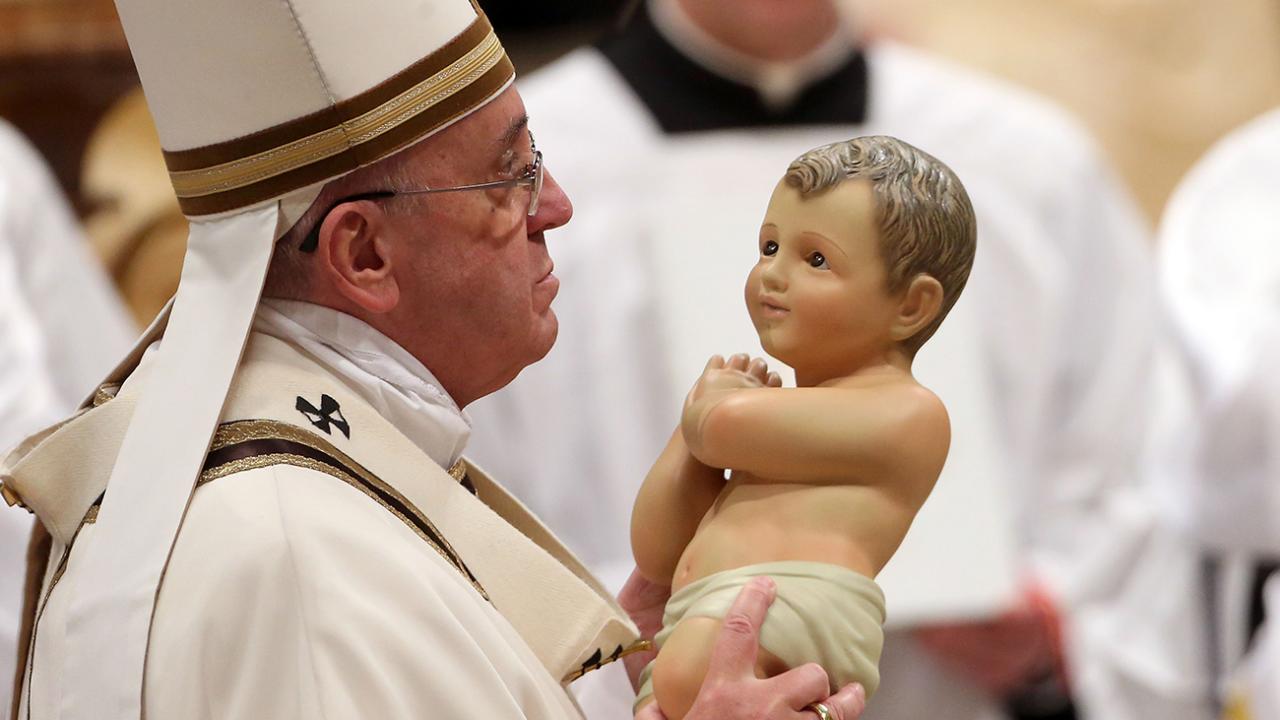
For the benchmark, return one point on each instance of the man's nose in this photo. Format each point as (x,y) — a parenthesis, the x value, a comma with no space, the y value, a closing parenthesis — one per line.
(554,207)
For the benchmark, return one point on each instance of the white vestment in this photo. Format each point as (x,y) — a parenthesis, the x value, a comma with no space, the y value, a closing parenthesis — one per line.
(328,565)
(657,254)
(62,327)
(1220,275)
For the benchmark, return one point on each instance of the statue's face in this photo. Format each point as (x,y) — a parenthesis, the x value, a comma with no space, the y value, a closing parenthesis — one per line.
(818,295)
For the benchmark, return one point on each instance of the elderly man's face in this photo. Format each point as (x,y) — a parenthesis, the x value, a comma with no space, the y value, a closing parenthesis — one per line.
(477,290)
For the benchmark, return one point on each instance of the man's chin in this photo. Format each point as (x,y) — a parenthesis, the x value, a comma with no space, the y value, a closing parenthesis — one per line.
(550,331)
(538,347)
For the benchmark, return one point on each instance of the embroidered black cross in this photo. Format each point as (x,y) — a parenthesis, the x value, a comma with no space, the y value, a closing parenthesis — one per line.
(327,414)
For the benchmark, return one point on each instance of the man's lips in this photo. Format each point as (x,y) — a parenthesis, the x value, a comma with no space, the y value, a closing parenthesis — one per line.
(548,280)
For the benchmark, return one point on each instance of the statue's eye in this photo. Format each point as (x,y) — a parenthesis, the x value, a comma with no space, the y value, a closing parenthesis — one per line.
(770,247)
(817,260)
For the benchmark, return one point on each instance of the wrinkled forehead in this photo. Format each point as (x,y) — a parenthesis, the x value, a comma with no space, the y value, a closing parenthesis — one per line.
(484,137)
(498,125)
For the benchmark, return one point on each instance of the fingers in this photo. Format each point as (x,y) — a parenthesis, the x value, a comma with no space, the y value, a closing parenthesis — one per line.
(755,368)
(650,712)
(802,685)
(644,601)
(641,593)
(734,655)
(847,704)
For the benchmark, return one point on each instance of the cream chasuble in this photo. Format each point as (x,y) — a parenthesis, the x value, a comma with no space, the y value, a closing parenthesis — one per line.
(326,567)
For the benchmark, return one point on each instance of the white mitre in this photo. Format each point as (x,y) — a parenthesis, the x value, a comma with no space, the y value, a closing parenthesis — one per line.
(258,103)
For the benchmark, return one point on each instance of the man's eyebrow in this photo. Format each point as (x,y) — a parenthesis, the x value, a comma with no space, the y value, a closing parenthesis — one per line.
(513,131)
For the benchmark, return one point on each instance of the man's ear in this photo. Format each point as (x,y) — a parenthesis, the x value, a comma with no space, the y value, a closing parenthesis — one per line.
(920,305)
(355,255)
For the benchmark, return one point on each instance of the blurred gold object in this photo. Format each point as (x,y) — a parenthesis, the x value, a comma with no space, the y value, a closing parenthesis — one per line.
(134,221)
(62,64)
(58,27)
(1237,708)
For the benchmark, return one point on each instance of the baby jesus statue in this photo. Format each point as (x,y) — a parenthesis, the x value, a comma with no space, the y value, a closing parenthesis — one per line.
(865,247)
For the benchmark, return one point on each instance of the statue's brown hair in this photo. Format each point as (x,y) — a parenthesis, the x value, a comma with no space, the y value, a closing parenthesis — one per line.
(923,213)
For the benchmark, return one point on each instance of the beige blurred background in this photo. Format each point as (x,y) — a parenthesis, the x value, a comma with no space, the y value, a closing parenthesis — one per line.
(1157,81)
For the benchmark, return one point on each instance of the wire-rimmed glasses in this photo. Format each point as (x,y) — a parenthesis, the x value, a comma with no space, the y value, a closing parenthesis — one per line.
(532,177)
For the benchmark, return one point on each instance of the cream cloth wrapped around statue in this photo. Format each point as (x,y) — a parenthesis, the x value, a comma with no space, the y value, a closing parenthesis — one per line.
(822,612)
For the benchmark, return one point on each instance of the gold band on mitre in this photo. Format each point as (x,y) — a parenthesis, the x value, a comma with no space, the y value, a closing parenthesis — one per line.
(425,97)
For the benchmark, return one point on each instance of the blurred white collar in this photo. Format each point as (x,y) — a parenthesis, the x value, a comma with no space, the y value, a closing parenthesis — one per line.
(778,83)
(394,382)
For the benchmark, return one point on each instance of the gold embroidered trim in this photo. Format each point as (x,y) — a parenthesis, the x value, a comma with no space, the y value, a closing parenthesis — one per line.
(246,430)
(91,516)
(327,143)
(11,496)
(249,430)
(105,394)
(459,470)
(636,647)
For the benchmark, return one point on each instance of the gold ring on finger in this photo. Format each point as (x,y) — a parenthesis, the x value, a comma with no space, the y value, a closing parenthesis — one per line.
(824,713)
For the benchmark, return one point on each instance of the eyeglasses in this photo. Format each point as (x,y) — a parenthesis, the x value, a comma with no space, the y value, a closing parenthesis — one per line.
(532,178)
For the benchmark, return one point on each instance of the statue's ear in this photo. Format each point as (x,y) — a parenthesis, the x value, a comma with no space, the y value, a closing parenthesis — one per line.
(920,304)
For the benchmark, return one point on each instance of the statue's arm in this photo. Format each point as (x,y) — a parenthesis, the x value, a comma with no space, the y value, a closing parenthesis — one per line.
(815,435)
(676,494)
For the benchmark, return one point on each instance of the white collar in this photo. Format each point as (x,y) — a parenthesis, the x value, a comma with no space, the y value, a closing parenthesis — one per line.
(778,83)
(394,382)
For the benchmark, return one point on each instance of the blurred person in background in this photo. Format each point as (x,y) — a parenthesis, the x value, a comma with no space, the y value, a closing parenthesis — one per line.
(62,327)
(1220,276)
(672,133)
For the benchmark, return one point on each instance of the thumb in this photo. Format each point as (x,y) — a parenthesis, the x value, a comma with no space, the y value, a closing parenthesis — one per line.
(734,654)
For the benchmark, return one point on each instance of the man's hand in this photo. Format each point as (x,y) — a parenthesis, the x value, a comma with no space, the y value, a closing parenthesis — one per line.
(731,689)
(1018,648)
(720,378)
(644,601)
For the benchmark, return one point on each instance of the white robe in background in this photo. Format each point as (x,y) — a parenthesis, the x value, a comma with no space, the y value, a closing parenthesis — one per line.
(1220,271)
(1220,275)
(62,327)
(1061,293)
